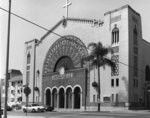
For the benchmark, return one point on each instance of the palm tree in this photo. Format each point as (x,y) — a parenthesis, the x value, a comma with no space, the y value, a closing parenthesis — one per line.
(97,58)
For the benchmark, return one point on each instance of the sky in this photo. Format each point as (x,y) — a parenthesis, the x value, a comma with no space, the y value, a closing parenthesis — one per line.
(47,13)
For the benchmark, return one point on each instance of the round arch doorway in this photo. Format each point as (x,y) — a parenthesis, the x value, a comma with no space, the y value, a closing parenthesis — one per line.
(77,98)
(69,98)
(48,97)
(61,98)
(54,100)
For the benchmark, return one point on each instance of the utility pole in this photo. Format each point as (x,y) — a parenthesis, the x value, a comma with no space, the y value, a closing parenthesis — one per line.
(0,98)
(7,62)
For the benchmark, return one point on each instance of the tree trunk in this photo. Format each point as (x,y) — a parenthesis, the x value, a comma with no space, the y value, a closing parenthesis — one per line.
(98,97)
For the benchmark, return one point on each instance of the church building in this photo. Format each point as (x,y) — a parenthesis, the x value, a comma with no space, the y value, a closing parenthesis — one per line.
(54,72)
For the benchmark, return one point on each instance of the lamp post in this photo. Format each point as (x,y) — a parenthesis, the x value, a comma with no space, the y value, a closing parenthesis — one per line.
(7,62)
(99,90)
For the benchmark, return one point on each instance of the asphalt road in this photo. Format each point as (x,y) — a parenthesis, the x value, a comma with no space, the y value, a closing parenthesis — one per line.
(128,114)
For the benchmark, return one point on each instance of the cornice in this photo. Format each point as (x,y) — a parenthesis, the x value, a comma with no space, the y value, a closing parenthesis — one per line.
(123,7)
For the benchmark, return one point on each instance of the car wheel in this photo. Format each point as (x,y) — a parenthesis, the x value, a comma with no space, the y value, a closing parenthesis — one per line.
(42,110)
(24,110)
(33,110)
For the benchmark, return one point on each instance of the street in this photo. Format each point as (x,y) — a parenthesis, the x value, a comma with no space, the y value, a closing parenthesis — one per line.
(116,114)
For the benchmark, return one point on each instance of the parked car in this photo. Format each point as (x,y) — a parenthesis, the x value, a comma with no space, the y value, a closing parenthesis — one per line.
(2,110)
(33,108)
(49,108)
(9,108)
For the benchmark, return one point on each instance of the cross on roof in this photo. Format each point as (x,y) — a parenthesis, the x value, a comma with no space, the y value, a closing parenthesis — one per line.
(66,6)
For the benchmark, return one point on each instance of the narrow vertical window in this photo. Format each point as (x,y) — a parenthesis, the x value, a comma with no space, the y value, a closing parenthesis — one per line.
(94,98)
(112,37)
(28,58)
(37,77)
(27,77)
(117,98)
(135,36)
(112,82)
(117,82)
(117,36)
(135,66)
(112,97)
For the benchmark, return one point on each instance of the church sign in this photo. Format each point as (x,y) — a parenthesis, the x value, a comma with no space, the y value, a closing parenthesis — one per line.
(64,76)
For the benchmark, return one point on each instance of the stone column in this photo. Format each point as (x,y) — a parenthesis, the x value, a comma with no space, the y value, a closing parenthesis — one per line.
(51,96)
(44,98)
(57,100)
(81,99)
(72,100)
(65,105)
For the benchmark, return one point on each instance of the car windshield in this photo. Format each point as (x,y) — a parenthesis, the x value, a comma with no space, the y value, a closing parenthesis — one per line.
(28,105)
(35,105)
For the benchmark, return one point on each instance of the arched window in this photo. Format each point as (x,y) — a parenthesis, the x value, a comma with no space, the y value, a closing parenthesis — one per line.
(28,58)
(147,73)
(37,77)
(135,36)
(115,35)
(38,73)
(64,62)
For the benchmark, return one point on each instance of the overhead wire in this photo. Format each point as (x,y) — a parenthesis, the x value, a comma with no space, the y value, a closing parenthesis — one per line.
(30,22)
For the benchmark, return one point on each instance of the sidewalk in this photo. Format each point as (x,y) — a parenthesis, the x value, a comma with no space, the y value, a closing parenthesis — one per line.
(133,111)
(102,111)
(25,116)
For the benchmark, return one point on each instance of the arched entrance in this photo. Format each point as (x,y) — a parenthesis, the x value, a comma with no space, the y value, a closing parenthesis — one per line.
(148,101)
(77,98)
(147,79)
(69,98)
(48,97)
(61,98)
(54,94)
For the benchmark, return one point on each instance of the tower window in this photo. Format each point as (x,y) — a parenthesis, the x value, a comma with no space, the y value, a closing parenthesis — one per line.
(135,66)
(28,58)
(115,35)
(112,82)
(117,82)
(135,36)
